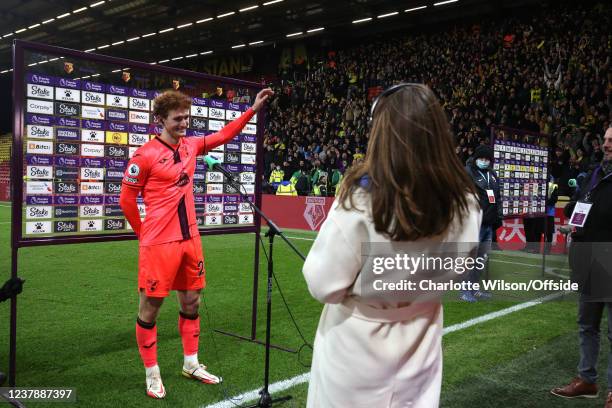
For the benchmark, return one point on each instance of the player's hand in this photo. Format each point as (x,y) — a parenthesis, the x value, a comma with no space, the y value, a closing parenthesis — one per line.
(261,98)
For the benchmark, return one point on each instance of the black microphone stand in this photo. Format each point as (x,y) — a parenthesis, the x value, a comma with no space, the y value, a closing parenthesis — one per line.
(265,400)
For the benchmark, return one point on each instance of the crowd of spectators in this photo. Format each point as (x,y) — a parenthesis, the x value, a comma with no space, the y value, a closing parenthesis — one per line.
(548,72)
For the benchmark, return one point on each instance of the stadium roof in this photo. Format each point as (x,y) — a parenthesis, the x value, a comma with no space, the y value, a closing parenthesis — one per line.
(159,30)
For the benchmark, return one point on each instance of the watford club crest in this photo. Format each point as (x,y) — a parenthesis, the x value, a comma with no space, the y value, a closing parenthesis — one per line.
(68,67)
(125,76)
(176,84)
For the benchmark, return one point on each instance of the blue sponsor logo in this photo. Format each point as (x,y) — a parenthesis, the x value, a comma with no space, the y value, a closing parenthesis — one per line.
(67,122)
(38,200)
(38,160)
(66,211)
(39,119)
(112,174)
(136,128)
(116,164)
(66,134)
(93,86)
(66,173)
(230,208)
(117,127)
(112,210)
(234,168)
(117,90)
(92,162)
(199,101)
(111,199)
(214,199)
(116,114)
(97,200)
(67,161)
(40,79)
(217,104)
(66,200)
(232,146)
(94,124)
(69,83)
(139,93)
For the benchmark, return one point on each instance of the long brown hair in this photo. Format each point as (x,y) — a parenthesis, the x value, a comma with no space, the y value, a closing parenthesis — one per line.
(417,184)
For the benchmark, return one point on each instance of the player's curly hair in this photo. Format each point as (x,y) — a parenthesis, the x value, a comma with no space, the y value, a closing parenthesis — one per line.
(170,100)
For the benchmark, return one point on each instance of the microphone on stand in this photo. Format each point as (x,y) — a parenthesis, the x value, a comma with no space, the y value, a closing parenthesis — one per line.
(215,165)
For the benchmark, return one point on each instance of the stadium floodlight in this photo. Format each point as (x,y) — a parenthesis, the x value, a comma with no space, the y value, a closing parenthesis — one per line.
(238,46)
(21,30)
(4,72)
(267,3)
(204,20)
(256,42)
(165,30)
(191,55)
(96,4)
(363,20)
(226,14)
(441,3)
(163,61)
(33,26)
(115,70)
(48,21)
(95,75)
(118,42)
(79,10)
(148,35)
(89,50)
(103,46)
(184,25)
(177,58)
(415,9)
(242,10)
(314,30)
(53,59)
(8,35)
(206,53)
(294,34)
(388,14)
(62,15)
(132,39)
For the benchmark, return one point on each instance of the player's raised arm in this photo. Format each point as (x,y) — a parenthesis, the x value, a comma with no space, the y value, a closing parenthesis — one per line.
(234,127)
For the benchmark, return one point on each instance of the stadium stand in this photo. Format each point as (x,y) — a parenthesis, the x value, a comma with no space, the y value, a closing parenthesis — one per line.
(546,72)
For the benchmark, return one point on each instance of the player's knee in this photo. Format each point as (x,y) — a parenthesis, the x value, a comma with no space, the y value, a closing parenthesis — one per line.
(190,305)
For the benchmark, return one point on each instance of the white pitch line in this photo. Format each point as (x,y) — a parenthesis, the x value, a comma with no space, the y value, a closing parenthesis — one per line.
(283,385)
(500,313)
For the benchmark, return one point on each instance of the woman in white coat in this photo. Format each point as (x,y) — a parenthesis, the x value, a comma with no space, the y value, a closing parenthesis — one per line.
(373,352)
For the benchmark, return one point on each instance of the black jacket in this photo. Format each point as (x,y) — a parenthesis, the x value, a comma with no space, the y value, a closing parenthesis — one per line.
(598,226)
(590,255)
(491,213)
